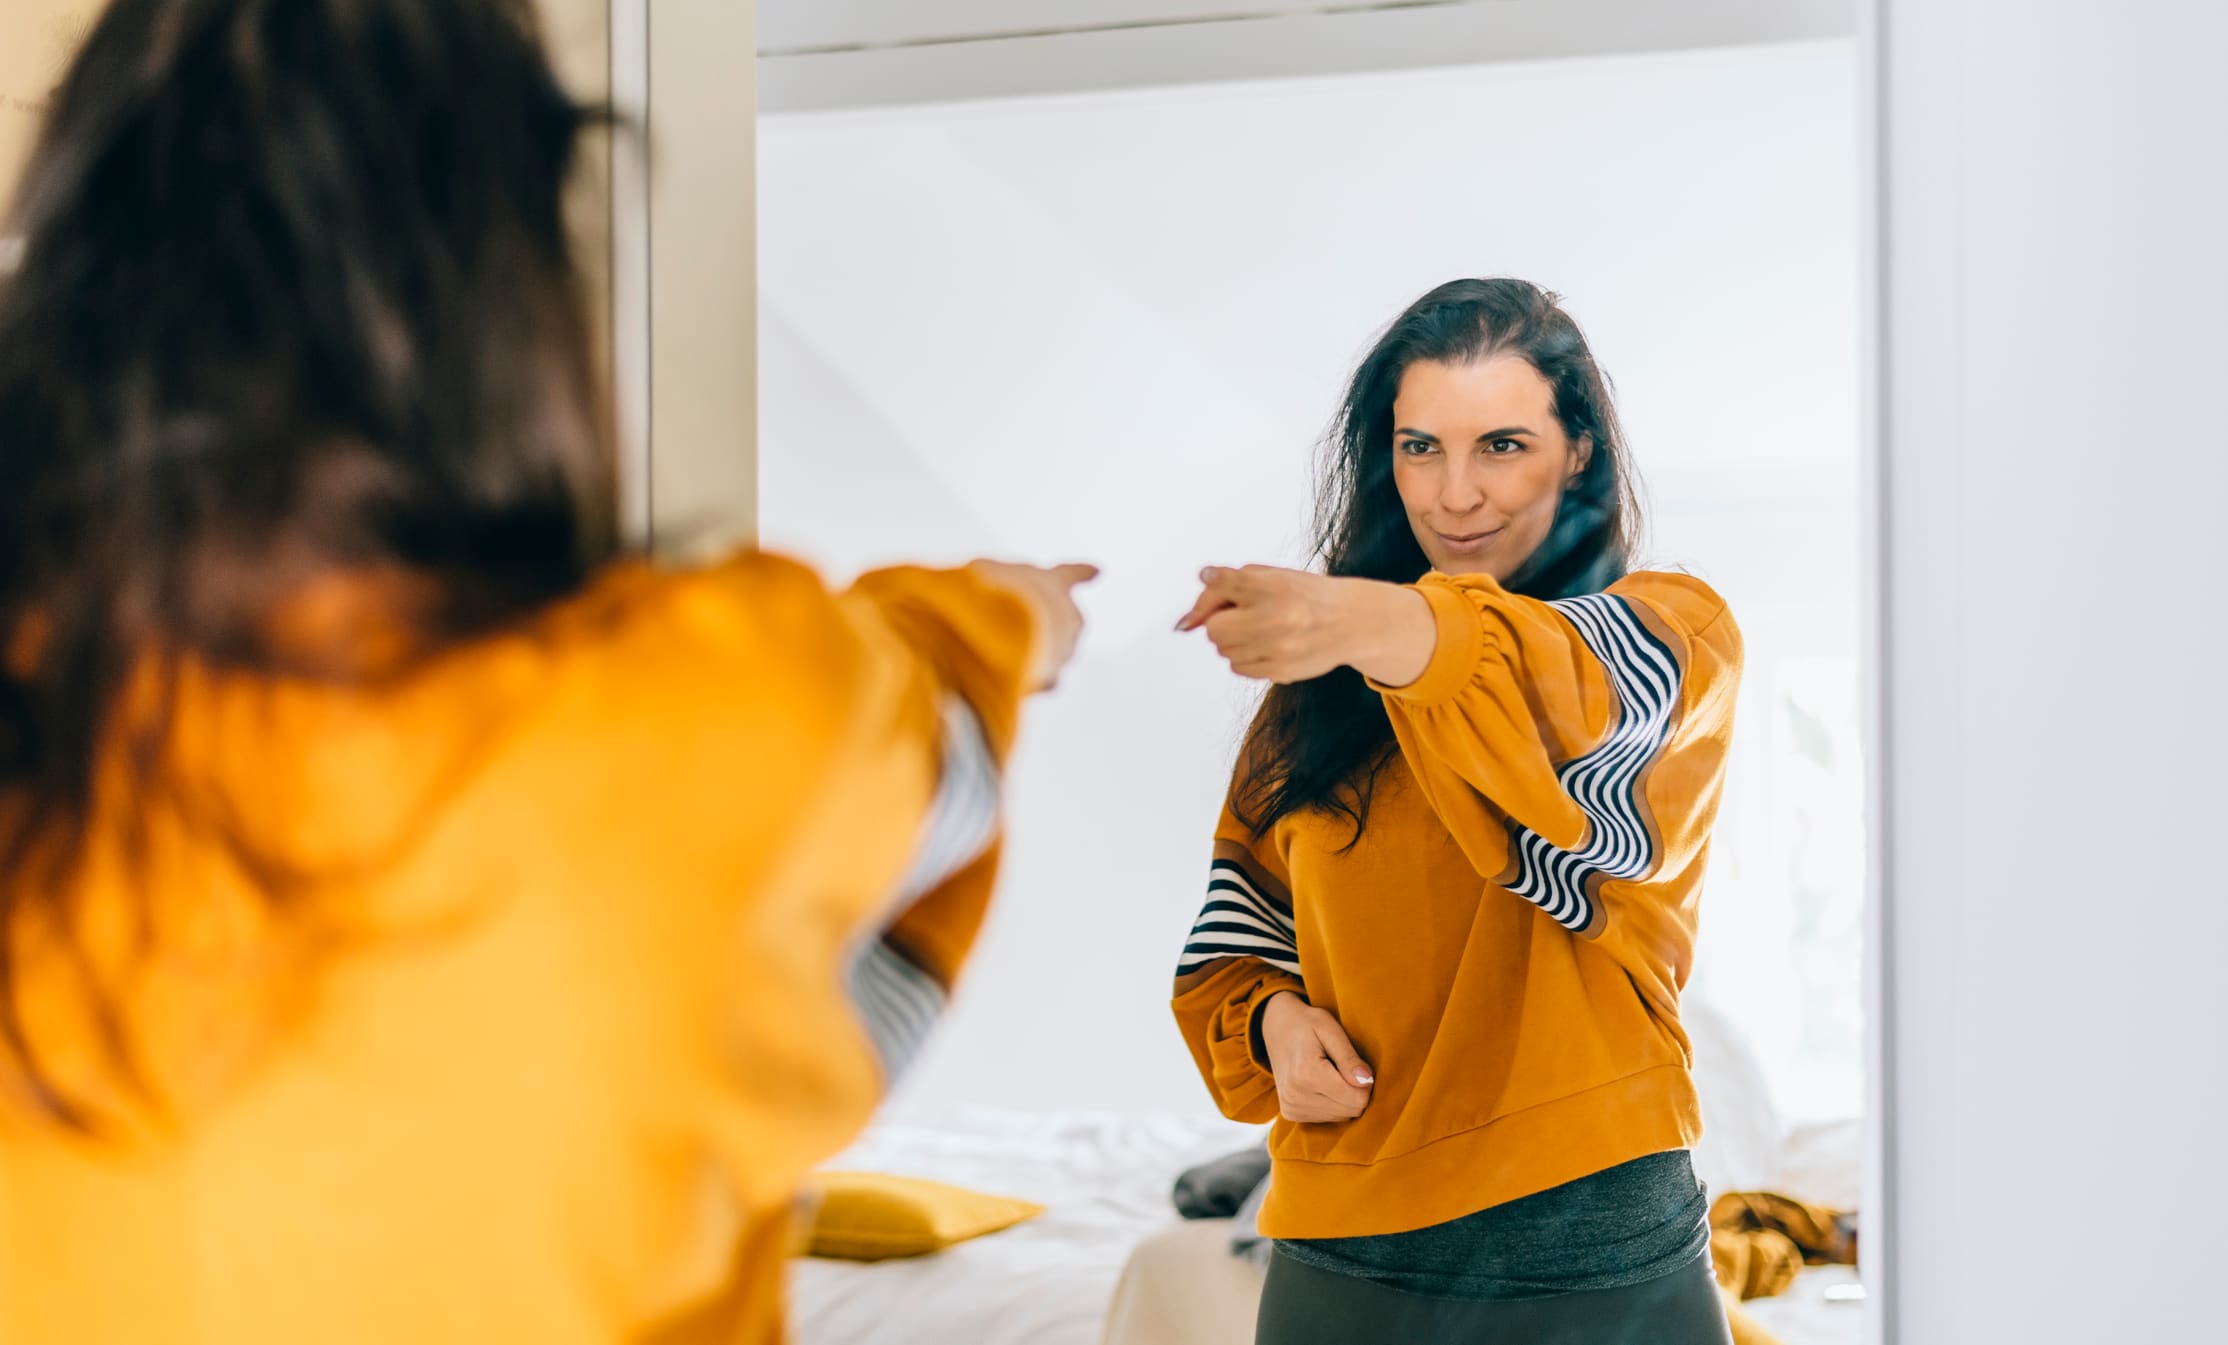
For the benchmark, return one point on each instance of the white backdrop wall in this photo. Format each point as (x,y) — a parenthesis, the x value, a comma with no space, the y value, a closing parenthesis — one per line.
(2054,476)
(1112,327)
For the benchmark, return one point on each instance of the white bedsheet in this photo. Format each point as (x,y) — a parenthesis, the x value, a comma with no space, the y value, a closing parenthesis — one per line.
(1819,1163)
(1105,1182)
(1805,1316)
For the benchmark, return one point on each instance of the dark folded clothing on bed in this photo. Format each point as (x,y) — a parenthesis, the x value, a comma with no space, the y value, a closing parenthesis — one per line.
(1215,1190)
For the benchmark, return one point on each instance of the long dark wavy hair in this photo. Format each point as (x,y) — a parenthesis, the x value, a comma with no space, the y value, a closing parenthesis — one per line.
(296,298)
(1320,744)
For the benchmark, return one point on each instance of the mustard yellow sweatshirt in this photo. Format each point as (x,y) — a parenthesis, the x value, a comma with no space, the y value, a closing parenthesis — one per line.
(598,935)
(1507,942)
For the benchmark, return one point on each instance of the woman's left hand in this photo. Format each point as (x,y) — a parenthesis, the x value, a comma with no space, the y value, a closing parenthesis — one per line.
(1291,625)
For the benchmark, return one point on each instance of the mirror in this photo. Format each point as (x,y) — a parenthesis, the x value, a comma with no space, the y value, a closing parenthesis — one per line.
(1097,294)
(1569,917)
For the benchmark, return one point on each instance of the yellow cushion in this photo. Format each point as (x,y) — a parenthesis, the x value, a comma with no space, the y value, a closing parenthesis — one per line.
(870,1216)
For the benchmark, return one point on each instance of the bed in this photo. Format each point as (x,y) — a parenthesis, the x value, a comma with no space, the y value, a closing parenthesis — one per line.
(1109,1263)
(1103,1179)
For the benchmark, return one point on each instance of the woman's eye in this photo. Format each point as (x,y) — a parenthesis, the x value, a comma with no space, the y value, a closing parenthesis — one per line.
(1414,447)
(1505,446)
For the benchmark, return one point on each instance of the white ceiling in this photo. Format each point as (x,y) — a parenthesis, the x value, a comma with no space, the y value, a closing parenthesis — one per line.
(805,25)
(829,54)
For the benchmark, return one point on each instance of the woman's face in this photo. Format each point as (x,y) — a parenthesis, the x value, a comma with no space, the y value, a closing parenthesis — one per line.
(1481,461)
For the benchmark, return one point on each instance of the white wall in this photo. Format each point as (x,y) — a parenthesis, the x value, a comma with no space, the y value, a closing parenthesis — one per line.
(1112,326)
(2055,473)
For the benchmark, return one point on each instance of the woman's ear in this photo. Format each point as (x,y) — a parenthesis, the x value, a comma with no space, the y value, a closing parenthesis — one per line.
(1581,457)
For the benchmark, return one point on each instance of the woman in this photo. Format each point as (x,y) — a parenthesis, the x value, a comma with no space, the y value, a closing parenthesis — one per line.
(1453,895)
(418,921)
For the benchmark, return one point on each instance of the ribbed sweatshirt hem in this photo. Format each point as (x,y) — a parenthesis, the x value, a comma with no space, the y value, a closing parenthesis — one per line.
(1506,1159)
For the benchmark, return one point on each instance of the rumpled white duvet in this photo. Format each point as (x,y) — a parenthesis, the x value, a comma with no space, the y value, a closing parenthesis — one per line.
(1105,1182)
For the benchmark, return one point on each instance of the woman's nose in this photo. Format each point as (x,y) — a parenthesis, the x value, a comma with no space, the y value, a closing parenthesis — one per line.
(1460,492)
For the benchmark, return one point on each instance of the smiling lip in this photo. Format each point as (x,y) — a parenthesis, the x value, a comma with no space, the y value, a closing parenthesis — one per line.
(1468,542)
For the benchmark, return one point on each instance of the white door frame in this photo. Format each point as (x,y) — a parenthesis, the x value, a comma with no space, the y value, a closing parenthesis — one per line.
(1876,1200)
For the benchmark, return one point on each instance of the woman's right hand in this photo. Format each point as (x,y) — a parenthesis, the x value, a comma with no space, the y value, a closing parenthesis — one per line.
(1050,590)
(1319,1074)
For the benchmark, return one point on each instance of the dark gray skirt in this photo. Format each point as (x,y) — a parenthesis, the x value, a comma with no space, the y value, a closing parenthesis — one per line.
(1306,1305)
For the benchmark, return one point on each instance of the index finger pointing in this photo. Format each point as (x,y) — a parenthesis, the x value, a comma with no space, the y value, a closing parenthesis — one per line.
(1208,604)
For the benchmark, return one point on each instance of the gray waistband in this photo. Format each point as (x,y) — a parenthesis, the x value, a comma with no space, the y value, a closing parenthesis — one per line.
(1625,1225)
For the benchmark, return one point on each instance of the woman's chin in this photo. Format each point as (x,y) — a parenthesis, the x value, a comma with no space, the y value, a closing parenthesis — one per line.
(1478,561)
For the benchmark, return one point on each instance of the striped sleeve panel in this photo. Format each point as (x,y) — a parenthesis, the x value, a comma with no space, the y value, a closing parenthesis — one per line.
(1247,914)
(1620,840)
(899,1000)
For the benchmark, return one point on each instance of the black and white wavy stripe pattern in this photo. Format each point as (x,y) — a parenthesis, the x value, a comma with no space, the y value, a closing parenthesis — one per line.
(1605,782)
(963,818)
(898,1000)
(1240,919)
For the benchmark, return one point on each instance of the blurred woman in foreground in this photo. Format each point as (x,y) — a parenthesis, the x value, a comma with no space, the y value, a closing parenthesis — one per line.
(418,920)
